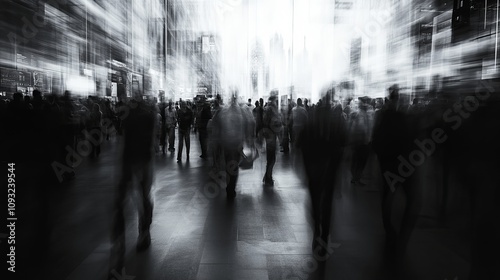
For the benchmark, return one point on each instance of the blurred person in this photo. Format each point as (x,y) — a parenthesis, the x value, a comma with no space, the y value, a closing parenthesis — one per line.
(69,127)
(306,105)
(170,123)
(95,125)
(214,132)
(158,146)
(109,114)
(298,122)
(249,104)
(185,120)
(202,119)
(323,141)
(390,140)
(272,127)
(258,113)
(359,138)
(233,128)
(163,131)
(286,112)
(139,128)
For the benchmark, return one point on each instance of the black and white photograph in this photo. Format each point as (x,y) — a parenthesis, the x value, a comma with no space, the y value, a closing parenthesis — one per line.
(250,139)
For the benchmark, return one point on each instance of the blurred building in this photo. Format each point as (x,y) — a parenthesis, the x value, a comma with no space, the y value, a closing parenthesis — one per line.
(439,43)
(193,55)
(100,47)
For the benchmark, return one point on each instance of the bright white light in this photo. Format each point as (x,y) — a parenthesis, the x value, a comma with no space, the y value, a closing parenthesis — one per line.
(80,85)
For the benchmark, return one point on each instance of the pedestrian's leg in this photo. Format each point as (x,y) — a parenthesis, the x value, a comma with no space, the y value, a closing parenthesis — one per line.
(315,211)
(181,144)
(188,142)
(118,228)
(271,159)
(232,158)
(146,207)
(163,137)
(171,138)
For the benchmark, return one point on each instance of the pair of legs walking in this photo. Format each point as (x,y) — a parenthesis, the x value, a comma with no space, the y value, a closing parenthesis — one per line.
(184,135)
(143,172)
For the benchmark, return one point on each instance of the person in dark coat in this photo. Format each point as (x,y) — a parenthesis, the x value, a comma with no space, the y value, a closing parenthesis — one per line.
(139,130)
(323,141)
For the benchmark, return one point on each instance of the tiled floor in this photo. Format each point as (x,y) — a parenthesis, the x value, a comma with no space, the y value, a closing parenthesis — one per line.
(264,234)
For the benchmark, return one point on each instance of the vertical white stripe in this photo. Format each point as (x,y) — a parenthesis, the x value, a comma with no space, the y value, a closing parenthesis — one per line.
(496,37)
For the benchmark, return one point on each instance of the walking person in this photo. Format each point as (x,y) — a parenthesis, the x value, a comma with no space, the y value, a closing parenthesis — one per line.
(272,127)
(171,123)
(202,119)
(298,122)
(163,131)
(360,136)
(323,141)
(390,140)
(234,127)
(139,129)
(185,119)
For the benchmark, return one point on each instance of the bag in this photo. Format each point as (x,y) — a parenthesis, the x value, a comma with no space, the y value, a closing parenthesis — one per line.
(247,160)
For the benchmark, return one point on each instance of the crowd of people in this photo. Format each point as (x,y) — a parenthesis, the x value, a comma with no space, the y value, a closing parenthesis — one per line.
(454,135)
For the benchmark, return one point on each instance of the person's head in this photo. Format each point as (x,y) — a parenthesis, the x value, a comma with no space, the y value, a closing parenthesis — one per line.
(17,97)
(306,101)
(233,97)
(273,100)
(261,102)
(249,101)
(67,95)
(256,103)
(299,102)
(394,93)
(327,97)
(37,95)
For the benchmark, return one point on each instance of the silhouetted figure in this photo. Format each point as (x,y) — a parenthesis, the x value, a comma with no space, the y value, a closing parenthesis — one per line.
(163,131)
(138,140)
(232,127)
(185,120)
(272,126)
(390,141)
(298,122)
(258,114)
(204,116)
(322,147)
(286,112)
(110,115)
(361,125)
(170,123)
(306,105)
